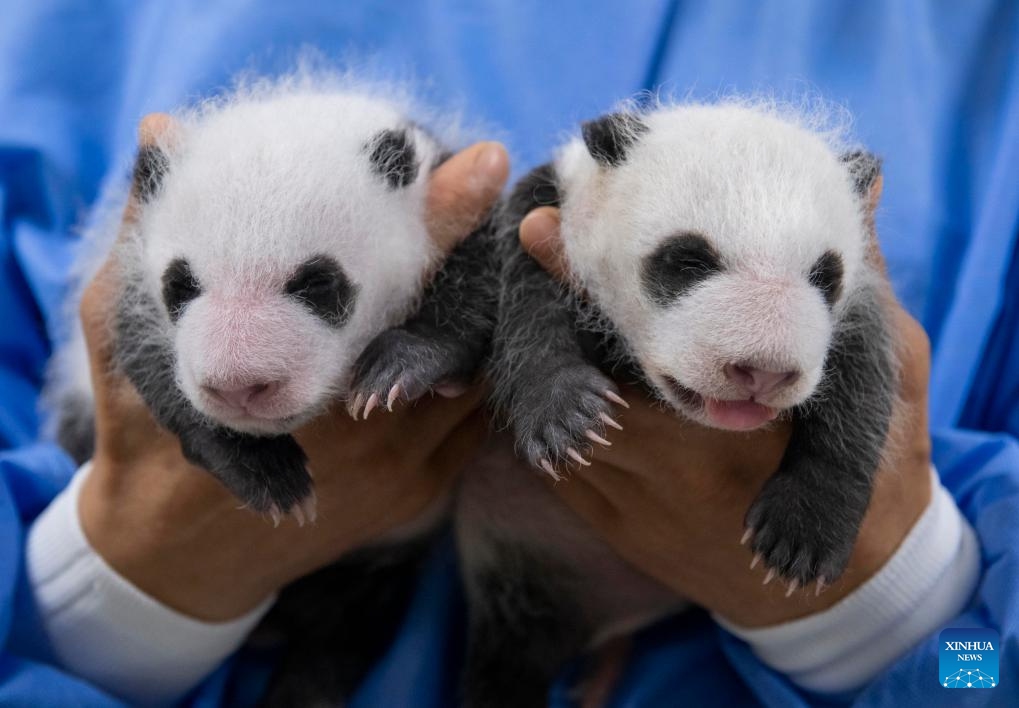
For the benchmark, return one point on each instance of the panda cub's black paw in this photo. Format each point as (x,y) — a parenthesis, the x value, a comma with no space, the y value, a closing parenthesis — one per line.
(562,413)
(287,489)
(799,534)
(400,365)
(268,475)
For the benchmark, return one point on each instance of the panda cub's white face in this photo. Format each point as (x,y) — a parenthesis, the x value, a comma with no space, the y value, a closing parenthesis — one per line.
(723,249)
(286,232)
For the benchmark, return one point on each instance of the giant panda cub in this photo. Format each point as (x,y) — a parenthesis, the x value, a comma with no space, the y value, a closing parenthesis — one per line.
(278,260)
(717,254)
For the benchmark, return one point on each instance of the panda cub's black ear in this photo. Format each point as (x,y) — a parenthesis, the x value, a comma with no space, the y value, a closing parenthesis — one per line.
(864,168)
(608,138)
(393,157)
(150,167)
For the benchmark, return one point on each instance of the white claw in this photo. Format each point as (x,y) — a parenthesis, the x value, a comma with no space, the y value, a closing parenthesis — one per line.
(746,537)
(547,466)
(591,435)
(356,407)
(310,508)
(394,393)
(616,398)
(274,514)
(373,400)
(298,514)
(577,456)
(820,586)
(608,420)
(755,561)
(792,587)
(768,576)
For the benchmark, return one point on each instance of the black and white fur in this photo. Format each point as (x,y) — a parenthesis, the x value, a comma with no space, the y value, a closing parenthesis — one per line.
(279,232)
(708,246)
(279,261)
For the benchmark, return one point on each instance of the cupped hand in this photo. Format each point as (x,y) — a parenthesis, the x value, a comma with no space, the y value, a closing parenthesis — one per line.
(177,534)
(670,496)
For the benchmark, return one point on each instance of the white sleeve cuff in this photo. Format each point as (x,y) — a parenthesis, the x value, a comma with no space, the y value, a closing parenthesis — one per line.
(104,629)
(927,581)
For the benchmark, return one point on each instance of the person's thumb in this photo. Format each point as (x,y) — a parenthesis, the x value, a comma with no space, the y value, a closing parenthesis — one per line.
(462,191)
(539,236)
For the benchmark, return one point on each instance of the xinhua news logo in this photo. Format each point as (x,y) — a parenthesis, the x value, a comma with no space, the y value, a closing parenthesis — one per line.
(968,658)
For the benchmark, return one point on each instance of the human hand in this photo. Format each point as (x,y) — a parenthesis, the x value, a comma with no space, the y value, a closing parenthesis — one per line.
(177,534)
(670,496)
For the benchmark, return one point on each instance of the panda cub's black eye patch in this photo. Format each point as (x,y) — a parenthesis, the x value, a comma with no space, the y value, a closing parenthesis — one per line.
(677,265)
(826,276)
(322,286)
(180,286)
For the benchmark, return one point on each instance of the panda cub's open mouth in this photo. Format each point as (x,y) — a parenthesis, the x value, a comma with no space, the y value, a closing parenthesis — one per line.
(745,414)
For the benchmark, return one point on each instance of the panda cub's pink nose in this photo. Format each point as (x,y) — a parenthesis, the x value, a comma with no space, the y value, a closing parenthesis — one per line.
(243,396)
(759,382)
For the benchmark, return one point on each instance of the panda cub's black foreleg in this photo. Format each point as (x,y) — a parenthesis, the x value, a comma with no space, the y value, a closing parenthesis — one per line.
(268,474)
(443,345)
(806,519)
(336,623)
(556,401)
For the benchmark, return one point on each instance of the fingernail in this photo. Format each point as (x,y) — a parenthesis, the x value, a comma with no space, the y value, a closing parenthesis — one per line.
(543,224)
(490,163)
(451,390)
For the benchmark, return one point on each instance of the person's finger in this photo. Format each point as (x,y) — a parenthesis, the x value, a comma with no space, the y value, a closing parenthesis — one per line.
(98,296)
(434,418)
(873,199)
(431,419)
(153,129)
(539,236)
(460,446)
(116,400)
(590,500)
(123,424)
(914,352)
(462,190)
(93,311)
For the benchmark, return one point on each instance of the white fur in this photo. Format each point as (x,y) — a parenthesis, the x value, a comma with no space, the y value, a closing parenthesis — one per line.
(768,192)
(259,181)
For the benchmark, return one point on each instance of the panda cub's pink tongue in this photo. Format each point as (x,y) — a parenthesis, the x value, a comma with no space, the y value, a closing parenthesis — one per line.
(738,415)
